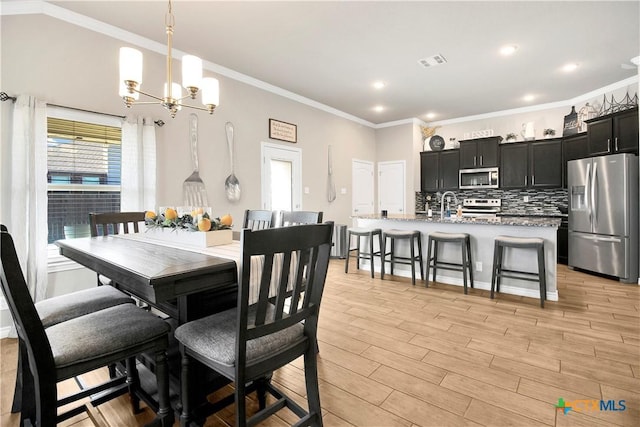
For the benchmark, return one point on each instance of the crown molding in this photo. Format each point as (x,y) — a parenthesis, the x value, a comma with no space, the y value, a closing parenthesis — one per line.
(32,7)
(27,7)
(559,104)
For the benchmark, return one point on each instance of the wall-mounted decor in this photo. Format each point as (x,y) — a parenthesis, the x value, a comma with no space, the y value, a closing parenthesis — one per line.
(283,131)
(486,133)
(613,106)
(570,123)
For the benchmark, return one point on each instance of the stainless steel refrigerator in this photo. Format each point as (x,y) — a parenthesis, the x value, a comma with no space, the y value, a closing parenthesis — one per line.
(603,215)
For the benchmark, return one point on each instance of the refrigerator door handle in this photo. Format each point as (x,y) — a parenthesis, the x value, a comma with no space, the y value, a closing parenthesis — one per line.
(599,239)
(594,193)
(587,195)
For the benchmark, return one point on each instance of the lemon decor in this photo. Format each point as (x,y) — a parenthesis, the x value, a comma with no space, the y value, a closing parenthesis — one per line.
(197,220)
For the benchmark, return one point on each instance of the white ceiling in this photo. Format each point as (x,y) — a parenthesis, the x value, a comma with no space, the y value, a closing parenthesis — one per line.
(332,52)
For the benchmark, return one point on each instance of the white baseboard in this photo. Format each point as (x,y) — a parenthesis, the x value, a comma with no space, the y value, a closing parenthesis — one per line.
(505,289)
(4,332)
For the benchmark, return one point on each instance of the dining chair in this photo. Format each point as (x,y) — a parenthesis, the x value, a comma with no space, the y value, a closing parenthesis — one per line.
(247,343)
(77,346)
(260,219)
(106,223)
(52,311)
(300,217)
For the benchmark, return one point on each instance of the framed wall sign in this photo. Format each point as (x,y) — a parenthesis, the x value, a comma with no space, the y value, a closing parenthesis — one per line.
(283,131)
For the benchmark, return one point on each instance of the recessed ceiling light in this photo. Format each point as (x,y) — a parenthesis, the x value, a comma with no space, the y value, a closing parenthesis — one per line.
(572,66)
(378,108)
(528,97)
(430,115)
(508,50)
(379,84)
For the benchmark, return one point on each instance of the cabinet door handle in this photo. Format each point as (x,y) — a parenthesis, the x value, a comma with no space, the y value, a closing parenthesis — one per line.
(525,180)
(616,143)
(481,162)
(533,180)
(609,144)
(474,161)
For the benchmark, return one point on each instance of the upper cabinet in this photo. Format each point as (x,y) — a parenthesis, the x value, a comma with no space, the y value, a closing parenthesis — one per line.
(615,133)
(536,164)
(479,153)
(573,147)
(439,170)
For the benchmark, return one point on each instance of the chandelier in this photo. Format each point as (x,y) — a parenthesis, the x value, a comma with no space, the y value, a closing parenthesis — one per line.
(192,80)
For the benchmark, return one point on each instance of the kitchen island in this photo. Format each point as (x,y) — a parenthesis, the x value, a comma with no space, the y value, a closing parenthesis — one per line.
(482,231)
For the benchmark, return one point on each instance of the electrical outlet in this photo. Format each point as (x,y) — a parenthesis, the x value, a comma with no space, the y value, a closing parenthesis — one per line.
(525,199)
(478,265)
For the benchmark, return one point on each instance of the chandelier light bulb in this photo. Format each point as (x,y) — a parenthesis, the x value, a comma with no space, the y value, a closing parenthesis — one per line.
(191,73)
(130,65)
(210,91)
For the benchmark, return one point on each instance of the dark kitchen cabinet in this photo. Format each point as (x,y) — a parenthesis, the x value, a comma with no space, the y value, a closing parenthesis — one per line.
(615,133)
(573,147)
(536,164)
(545,163)
(514,165)
(563,242)
(479,153)
(439,170)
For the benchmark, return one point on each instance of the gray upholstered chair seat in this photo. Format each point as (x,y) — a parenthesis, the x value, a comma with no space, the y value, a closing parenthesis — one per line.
(215,337)
(103,334)
(65,307)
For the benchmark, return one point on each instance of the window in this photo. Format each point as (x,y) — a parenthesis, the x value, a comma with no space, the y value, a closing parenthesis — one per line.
(83,162)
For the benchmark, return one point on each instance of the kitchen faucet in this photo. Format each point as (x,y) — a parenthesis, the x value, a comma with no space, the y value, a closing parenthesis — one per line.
(442,201)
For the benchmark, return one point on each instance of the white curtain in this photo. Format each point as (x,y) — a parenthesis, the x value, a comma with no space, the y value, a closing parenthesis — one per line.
(24,196)
(138,185)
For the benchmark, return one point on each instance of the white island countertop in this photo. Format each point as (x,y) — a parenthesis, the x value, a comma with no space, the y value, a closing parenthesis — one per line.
(482,231)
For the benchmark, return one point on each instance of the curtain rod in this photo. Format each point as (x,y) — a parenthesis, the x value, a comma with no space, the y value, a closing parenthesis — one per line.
(5,97)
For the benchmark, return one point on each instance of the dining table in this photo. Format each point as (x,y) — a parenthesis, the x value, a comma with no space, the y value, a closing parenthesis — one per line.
(182,283)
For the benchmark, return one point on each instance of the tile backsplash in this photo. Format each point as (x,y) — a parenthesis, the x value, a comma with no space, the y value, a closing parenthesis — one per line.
(541,202)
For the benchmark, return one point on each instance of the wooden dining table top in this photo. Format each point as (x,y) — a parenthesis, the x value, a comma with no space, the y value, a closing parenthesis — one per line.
(155,272)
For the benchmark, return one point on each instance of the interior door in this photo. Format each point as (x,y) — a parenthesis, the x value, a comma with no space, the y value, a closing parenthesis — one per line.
(391,186)
(362,183)
(281,177)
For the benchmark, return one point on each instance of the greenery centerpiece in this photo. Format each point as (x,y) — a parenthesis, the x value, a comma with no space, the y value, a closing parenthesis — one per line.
(197,220)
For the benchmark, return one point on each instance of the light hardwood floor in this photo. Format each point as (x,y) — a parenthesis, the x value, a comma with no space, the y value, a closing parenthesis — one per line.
(396,355)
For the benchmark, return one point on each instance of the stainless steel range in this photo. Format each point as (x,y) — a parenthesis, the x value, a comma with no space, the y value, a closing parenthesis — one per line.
(481,207)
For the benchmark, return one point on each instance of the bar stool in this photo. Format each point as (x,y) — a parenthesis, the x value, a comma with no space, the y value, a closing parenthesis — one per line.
(412,236)
(498,272)
(360,232)
(465,266)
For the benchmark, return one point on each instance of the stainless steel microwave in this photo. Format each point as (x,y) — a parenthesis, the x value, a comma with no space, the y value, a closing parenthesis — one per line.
(478,178)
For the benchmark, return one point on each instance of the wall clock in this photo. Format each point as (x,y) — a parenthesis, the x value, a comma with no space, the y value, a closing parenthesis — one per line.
(436,142)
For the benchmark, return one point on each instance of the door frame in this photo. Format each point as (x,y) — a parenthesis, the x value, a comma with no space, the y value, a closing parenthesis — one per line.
(269,150)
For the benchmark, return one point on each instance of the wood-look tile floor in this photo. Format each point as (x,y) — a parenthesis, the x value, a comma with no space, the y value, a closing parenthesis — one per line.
(396,355)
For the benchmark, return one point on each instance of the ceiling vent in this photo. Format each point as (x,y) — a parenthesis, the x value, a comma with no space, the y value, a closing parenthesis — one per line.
(432,61)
